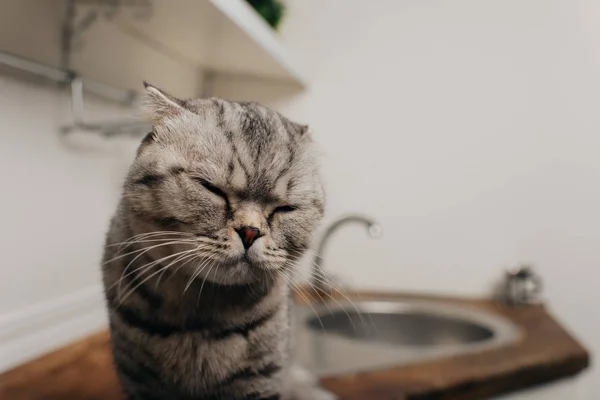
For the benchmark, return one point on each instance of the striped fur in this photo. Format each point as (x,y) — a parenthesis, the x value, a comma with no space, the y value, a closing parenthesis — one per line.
(193,315)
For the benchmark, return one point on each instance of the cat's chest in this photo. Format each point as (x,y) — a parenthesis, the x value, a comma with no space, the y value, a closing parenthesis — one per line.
(204,359)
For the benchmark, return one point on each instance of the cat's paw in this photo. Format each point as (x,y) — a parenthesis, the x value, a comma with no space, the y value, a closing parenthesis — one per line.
(322,394)
(312,393)
(304,386)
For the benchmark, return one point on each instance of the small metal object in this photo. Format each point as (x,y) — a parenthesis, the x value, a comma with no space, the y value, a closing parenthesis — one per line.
(319,280)
(522,285)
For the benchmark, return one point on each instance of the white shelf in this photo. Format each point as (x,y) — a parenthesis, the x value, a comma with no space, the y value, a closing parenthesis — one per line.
(224,36)
(172,48)
(257,33)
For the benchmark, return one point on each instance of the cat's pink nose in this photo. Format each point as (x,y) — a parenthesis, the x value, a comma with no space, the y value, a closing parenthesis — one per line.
(248,234)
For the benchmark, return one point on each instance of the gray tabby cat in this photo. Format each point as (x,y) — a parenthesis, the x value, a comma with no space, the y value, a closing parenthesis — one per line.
(219,203)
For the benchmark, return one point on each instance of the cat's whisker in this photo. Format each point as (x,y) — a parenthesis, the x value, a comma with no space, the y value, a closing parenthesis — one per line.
(124,245)
(179,241)
(197,272)
(323,301)
(150,235)
(203,282)
(224,277)
(332,297)
(187,262)
(298,290)
(183,257)
(154,233)
(146,279)
(146,249)
(160,236)
(250,286)
(143,249)
(141,269)
(305,252)
(324,279)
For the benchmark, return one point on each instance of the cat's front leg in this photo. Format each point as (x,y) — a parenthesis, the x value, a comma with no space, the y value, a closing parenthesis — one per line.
(302,385)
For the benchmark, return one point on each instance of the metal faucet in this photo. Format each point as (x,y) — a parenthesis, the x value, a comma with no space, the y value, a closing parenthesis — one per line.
(318,278)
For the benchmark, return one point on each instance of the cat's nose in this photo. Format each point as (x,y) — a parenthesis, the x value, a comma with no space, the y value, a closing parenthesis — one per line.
(248,234)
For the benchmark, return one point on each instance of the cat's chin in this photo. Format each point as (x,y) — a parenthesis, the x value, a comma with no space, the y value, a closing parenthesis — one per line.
(242,272)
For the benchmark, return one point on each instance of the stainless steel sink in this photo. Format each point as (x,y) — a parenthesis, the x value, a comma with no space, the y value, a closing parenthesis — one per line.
(414,328)
(345,337)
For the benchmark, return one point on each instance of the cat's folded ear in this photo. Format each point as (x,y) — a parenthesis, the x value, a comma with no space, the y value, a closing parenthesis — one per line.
(299,130)
(158,104)
(302,130)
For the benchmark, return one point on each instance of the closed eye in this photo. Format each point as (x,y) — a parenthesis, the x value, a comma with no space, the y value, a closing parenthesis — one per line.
(284,209)
(149,180)
(211,188)
(281,210)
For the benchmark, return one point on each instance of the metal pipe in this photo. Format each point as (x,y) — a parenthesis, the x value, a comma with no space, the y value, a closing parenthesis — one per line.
(77,101)
(125,97)
(108,128)
(77,85)
(67,33)
(35,68)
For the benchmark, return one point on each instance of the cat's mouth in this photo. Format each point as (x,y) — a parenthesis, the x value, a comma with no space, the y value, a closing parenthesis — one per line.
(242,270)
(245,261)
(248,263)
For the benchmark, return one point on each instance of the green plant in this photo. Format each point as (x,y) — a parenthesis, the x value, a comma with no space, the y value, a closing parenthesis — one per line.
(272,11)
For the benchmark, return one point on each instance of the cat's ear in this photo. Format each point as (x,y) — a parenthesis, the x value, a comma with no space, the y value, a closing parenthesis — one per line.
(303,130)
(158,104)
(299,130)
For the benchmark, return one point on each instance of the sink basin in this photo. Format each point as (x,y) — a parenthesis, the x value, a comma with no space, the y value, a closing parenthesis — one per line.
(353,337)
(403,328)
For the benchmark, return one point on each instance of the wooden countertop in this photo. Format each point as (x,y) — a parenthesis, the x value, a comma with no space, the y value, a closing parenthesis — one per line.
(546,352)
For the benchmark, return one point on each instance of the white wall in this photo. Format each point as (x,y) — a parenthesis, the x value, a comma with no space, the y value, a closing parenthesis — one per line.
(470,129)
(56,202)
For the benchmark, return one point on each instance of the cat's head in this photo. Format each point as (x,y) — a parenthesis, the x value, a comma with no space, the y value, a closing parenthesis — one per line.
(234,187)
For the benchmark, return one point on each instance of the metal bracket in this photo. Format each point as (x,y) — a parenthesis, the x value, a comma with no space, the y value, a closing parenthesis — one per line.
(108,128)
(77,86)
(74,26)
(73,29)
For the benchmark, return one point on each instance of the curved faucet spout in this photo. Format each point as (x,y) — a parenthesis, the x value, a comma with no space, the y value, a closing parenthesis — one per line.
(318,277)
